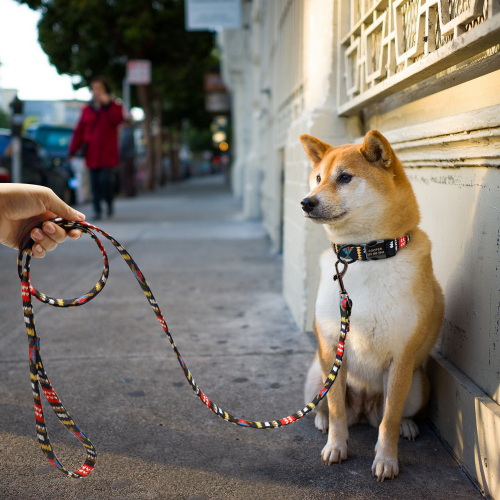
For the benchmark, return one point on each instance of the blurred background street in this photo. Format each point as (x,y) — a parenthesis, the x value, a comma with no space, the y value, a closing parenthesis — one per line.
(166,79)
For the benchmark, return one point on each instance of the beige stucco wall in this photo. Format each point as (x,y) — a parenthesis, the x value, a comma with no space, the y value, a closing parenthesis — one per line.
(461,213)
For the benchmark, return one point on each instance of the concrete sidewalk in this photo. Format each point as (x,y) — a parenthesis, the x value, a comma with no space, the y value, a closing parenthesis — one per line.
(219,289)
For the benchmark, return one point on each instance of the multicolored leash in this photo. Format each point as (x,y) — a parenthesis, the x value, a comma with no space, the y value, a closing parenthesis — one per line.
(39,376)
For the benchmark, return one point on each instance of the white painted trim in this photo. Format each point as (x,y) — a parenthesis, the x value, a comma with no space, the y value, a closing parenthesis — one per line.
(464,122)
(457,124)
(475,148)
(465,140)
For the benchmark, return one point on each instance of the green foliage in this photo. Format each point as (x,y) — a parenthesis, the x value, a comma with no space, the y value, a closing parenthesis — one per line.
(97,37)
(199,140)
(4,119)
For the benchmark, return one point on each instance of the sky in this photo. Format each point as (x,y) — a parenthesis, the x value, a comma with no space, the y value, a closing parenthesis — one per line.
(23,64)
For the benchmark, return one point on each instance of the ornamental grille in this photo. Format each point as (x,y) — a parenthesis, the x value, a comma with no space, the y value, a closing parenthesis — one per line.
(381,39)
(409,14)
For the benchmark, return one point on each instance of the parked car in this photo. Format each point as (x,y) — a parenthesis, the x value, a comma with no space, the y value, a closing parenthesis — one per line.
(54,139)
(4,142)
(37,166)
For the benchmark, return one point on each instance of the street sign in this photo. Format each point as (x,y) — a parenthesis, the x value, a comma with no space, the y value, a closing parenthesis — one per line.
(139,72)
(212,15)
(217,102)
(213,82)
(216,96)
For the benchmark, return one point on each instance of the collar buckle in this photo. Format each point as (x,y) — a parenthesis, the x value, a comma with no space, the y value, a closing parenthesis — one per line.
(376,250)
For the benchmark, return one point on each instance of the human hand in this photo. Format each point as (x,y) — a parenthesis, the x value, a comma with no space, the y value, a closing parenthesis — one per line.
(24,206)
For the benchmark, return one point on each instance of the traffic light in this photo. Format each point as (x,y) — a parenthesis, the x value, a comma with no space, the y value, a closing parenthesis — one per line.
(16,120)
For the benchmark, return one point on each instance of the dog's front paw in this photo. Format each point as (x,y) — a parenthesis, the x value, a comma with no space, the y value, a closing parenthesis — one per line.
(321,422)
(408,429)
(385,467)
(334,452)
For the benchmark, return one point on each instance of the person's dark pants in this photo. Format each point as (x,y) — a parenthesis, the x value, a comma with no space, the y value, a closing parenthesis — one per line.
(101,181)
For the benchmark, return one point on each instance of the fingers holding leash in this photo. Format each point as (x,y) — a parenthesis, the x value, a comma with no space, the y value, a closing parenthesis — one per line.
(47,238)
(59,234)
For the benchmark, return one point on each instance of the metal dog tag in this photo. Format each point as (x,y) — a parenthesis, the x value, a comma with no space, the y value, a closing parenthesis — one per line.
(376,250)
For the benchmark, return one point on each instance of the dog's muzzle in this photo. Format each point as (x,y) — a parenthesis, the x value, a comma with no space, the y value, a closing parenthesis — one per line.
(309,204)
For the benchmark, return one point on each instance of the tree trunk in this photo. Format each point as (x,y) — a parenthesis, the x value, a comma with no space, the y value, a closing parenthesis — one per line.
(143,92)
(158,143)
(174,157)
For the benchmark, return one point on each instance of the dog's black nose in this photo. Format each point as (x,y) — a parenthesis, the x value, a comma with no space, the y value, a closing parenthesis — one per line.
(309,204)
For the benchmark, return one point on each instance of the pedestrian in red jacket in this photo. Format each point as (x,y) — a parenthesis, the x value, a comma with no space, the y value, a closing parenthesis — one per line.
(96,138)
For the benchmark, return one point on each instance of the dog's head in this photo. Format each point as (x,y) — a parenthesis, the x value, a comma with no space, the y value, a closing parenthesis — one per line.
(359,188)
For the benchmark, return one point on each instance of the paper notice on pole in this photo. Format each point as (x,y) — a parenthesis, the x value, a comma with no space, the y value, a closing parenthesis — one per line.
(139,72)
(212,15)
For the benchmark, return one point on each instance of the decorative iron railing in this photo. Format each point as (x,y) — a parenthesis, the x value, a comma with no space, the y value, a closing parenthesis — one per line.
(388,45)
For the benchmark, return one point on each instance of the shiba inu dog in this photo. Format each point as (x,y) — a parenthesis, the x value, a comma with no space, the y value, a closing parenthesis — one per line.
(360,193)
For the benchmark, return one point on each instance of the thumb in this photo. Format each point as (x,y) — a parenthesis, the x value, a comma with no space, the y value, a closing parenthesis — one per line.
(53,203)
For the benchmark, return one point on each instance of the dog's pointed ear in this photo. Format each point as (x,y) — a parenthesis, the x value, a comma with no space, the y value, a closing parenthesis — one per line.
(376,149)
(314,148)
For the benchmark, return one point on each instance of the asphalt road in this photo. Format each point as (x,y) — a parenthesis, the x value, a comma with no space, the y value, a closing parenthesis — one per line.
(219,288)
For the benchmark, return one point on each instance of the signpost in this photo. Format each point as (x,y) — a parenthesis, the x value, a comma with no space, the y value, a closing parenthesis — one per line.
(217,102)
(216,96)
(139,72)
(212,15)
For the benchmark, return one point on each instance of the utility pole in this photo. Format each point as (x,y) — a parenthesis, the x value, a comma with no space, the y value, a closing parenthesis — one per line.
(16,124)
(126,96)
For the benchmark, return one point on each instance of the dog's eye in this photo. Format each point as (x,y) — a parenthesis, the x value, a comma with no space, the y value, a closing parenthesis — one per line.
(344,178)
(318,178)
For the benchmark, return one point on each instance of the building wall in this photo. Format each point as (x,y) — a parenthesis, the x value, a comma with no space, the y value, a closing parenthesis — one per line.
(51,112)
(238,76)
(54,112)
(435,94)
(6,97)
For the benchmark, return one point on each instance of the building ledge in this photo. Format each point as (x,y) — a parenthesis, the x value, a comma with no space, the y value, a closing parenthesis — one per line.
(468,420)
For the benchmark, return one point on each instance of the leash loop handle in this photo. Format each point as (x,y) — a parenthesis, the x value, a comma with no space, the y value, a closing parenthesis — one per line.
(39,377)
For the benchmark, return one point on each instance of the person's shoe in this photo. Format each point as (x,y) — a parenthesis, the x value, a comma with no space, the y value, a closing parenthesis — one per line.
(97,217)
(110,211)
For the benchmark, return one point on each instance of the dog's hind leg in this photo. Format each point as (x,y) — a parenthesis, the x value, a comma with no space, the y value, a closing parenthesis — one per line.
(416,401)
(314,383)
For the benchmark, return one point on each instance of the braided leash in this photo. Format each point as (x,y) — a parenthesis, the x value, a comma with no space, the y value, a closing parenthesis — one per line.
(39,376)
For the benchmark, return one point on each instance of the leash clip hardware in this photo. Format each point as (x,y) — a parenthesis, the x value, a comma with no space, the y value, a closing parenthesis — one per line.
(340,275)
(376,250)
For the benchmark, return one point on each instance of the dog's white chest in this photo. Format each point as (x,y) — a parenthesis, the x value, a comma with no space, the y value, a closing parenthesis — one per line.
(383,314)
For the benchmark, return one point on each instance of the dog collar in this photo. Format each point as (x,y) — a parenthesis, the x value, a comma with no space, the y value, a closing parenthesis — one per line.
(375,250)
